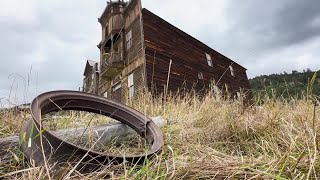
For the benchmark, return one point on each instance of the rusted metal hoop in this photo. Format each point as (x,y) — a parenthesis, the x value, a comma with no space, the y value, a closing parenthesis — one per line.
(59,152)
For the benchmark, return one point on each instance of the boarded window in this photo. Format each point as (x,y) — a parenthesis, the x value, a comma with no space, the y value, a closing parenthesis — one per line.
(231,70)
(200,75)
(129,39)
(209,59)
(130,86)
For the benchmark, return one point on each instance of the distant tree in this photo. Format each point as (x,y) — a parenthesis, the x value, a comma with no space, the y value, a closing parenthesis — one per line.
(285,85)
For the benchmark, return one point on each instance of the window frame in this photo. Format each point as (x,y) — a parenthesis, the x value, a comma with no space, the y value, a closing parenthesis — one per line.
(231,71)
(131,85)
(129,39)
(200,75)
(209,60)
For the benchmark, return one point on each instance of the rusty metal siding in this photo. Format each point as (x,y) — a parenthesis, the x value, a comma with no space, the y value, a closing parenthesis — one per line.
(163,42)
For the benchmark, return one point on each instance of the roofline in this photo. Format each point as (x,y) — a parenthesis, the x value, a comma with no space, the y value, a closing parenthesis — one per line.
(194,38)
(109,3)
(87,63)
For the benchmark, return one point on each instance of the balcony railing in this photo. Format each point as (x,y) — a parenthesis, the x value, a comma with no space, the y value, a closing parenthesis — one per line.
(111,62)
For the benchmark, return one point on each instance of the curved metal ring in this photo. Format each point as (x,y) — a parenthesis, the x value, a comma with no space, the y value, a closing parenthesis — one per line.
(34,137)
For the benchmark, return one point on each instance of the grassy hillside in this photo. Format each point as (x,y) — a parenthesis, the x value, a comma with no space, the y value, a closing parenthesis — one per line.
(286,85)
(214,138)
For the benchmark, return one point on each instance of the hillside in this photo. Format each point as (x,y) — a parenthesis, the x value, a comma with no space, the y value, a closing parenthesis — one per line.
(285,85)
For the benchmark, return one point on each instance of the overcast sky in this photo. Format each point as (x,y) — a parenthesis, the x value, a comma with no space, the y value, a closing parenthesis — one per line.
(45,43)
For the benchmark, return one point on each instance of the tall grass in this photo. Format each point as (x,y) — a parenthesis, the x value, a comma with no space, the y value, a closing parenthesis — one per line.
(217,138)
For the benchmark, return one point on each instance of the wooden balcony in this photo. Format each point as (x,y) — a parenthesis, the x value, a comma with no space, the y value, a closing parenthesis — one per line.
(112,64)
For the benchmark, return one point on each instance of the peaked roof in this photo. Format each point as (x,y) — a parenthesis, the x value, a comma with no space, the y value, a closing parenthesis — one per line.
(89,64)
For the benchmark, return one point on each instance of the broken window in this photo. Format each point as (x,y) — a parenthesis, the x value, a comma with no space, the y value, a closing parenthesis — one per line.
(200,75)
(231,70)
(209,59)
(130,86)
(129,39)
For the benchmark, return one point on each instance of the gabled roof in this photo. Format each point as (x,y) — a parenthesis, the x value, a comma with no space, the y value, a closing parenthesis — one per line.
(89,64)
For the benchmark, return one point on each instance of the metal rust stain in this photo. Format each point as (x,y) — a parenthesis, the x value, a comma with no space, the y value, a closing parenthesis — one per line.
(34,136)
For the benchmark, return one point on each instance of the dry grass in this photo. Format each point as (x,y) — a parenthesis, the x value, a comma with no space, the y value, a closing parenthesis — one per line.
(214,138)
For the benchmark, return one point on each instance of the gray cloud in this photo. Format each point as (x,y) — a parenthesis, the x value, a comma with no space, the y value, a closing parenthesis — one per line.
(259,34)
(55,45)
(55,38)
(275,24)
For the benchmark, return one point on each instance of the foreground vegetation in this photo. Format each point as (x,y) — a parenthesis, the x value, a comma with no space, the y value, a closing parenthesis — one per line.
(214,138)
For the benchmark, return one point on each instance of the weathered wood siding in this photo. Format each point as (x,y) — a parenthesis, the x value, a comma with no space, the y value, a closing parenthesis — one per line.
(163,42)
(134,55)
(133,52)
(133,24)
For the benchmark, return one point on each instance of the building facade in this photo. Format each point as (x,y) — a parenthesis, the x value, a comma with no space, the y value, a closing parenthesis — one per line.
(141,51)
(91,77)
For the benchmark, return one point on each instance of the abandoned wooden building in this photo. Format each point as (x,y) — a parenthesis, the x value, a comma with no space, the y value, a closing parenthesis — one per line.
(141,51)
(91,77)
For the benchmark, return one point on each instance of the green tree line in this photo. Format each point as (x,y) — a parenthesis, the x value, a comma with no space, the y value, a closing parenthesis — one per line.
(286,85)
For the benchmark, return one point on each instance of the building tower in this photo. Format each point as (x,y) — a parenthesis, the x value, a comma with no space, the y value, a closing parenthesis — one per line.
(111,46)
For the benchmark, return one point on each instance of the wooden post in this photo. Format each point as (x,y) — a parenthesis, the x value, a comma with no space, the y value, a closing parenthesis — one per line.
(168,79)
